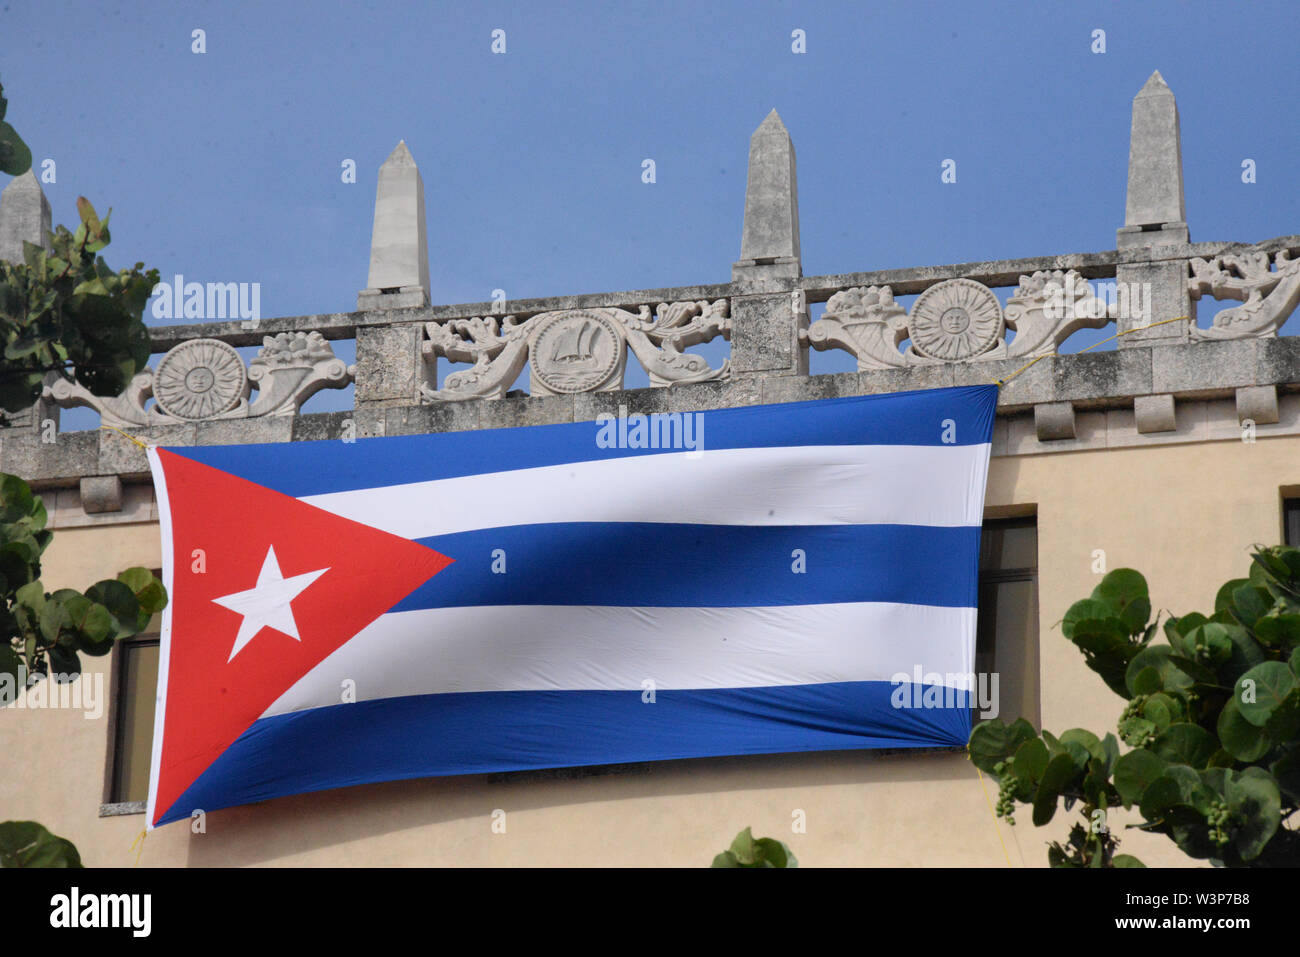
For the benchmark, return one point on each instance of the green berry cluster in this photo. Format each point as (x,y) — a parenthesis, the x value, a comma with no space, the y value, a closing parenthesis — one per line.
(1128,723)
(1217,817)
(1135,705)
(1006,805)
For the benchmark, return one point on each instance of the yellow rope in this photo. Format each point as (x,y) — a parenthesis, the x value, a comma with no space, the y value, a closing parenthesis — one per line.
(1002,382)
(994,813)
(139,839)
(127,434)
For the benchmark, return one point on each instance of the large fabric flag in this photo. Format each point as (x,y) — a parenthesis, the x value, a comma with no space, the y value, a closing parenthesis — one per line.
(638,588)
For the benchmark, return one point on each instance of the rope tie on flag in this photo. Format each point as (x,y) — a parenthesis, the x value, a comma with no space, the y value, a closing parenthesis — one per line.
(127,434)
(139,839)
(1001,382)
(994,813)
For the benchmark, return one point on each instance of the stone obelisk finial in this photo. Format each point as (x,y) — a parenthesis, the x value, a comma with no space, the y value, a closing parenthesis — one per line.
(769,311)
(399,250)
(769,245)
(24,216)
(1155,170)
(1155,216)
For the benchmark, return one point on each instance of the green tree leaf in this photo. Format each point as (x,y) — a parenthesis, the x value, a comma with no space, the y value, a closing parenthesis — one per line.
(774,853)
(1125,590)
(1061,770)
(743,847)
(1223,600)
(746,851)
(1087,739)
(1255,802)
(1030,761)
(1158,658)
(1145,681)
(120,602)
(1243,740)
(994,741)
(1286,771)
(1249,602)
(1185,743)
(1262,689)
(28,844)
(1279,628)
(15,156)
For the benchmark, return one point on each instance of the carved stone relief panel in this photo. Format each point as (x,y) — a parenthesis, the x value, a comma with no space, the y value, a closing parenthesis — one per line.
(957,320)
(1269,296)
(204,379)
(576,350)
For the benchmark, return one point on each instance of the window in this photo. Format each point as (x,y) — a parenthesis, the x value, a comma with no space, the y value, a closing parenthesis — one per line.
(1006,641)
(131,713)
(1291,521)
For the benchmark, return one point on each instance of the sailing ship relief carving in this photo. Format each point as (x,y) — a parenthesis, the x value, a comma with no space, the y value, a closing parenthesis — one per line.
(576,350)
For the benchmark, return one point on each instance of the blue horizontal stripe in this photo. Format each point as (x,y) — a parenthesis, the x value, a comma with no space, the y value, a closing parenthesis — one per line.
(651,564)
(314,468)
(441,734)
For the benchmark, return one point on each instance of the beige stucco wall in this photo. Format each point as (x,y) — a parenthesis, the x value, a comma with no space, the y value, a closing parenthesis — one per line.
(1185,515)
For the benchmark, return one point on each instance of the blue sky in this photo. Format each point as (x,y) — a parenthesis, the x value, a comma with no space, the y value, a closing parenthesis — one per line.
(225,166)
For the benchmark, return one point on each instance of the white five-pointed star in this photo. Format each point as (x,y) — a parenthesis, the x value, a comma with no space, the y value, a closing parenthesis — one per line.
(266,604)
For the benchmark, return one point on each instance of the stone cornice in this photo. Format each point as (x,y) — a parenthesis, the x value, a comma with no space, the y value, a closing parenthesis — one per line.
(1087,382)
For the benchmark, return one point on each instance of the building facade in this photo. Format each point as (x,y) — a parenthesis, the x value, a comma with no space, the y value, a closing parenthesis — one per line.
(1172,453)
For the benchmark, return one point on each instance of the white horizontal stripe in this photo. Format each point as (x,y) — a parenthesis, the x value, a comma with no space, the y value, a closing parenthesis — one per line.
(557,647)
(806,485)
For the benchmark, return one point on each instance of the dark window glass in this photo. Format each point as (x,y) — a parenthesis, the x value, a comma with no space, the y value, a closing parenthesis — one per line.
(136,681)
(131,712)
(1007,634)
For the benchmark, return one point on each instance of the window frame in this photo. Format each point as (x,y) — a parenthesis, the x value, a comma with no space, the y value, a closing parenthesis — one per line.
(985,661)
(1290,520)
(115,748)
(116,726)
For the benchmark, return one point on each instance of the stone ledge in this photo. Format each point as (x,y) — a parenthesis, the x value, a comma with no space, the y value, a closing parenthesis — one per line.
(905,281)
(1015,432)
(1090,382)
(1087,377)
(67,509)
(123,808)
(1007,272)
(1212,420)
(1204,369)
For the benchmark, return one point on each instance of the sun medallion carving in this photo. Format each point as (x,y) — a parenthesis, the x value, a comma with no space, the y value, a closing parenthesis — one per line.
(954,320)
(200,379)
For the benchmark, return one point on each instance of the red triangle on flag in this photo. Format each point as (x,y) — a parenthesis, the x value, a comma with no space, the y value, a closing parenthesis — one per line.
(223,528)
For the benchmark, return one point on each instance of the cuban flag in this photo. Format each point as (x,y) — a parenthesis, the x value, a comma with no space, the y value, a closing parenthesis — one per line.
(639,588)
